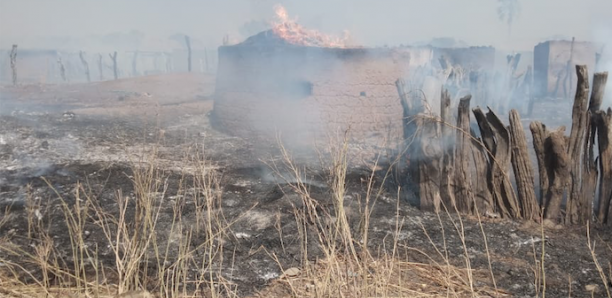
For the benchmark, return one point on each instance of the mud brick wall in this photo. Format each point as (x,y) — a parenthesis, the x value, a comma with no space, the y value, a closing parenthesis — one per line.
(472,58)
(550,61)
(308,93)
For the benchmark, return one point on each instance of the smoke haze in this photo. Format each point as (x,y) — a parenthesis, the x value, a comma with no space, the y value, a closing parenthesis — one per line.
(140,24)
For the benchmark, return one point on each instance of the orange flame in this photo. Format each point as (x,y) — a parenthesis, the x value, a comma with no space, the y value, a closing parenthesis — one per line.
(289,30)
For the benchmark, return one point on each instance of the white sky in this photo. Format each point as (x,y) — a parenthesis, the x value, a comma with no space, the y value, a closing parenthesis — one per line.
(41,23)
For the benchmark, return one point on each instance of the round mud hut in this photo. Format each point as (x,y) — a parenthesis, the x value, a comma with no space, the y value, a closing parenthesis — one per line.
(267,88)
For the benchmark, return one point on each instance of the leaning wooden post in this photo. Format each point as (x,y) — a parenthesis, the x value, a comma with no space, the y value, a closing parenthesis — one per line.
(188,43)
(604,138)
(463,186)
(13,57)
(589,165)
(575,144)
(114,59)
(496,138)
(85,66)
(100,67)
(521,164)
(488,146)
(501,164)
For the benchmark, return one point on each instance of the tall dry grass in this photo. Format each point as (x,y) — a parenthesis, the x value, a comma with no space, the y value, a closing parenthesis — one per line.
(130,227)
(349,264)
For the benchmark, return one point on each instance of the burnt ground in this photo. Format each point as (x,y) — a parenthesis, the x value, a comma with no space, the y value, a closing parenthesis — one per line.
(55,140)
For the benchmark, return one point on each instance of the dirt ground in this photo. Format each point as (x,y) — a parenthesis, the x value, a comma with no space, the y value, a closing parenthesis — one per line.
(54,138)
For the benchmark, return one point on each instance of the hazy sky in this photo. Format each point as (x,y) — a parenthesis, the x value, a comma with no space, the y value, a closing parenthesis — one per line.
(40,23)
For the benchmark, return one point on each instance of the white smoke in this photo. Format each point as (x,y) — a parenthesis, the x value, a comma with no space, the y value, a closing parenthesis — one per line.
(603,35)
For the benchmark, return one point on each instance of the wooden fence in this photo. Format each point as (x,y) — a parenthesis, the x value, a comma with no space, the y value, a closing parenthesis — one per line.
(491,171)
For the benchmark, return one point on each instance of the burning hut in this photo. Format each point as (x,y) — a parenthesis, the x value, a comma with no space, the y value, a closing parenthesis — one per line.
(268,85)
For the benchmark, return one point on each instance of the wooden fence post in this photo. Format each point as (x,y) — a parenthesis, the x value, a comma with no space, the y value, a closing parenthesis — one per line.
(206,58)
(540,134)
(100,67)
(464,195)
(85,65)
(604,133)
(114,59)
(188,43)
(62,69)
(13,57)
(134,64)
(558,167)
(496,138)
(523,172)
(502,164)
(447,192)
(576,143)
(589,165)
(422,148)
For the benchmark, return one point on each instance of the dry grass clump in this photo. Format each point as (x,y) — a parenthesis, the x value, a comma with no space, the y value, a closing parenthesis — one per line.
(129,225)
(384,277)
(348,267)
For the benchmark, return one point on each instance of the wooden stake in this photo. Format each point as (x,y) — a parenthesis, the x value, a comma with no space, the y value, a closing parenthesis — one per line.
(100,67)
(576,143)
(502,164)
(521,165)
(206,58)
(13,57)
(134,64)
(589,165)
(85,66)
(604,134)
(188,43)
(62,69)
(114,59)
(447,192)
(463,186)
(422,151)
(429,160)
(482,193)
(540,134)
(558,166)
(496,138)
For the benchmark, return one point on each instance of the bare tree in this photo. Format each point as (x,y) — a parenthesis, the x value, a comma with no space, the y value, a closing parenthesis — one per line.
(85,65)
(14,63)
